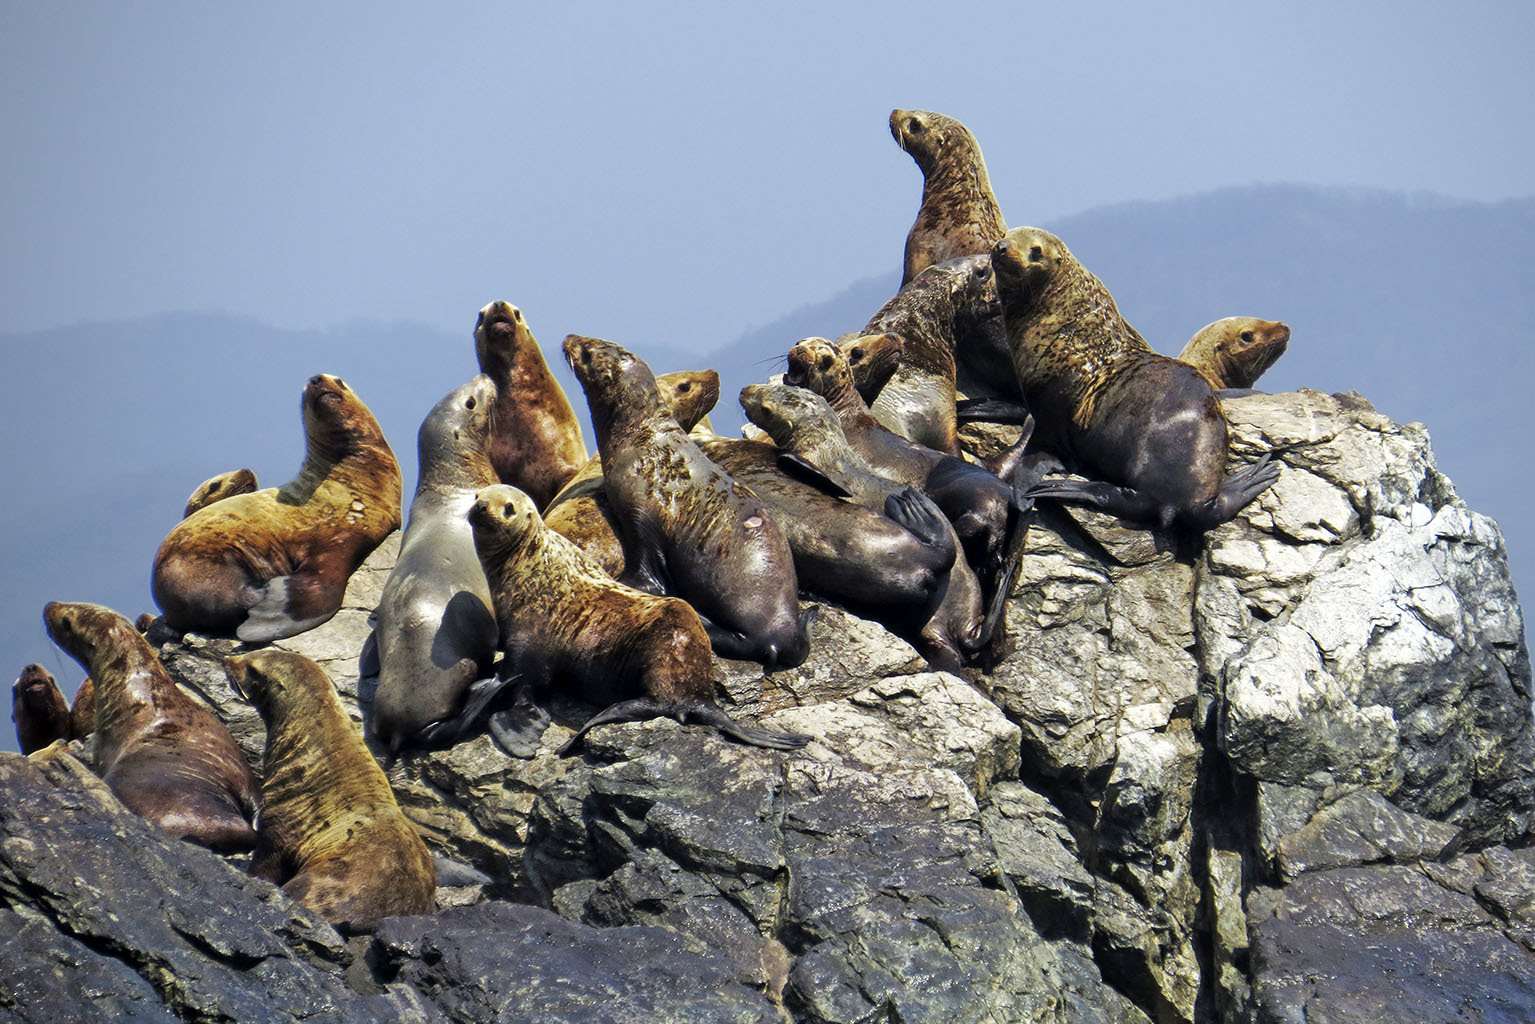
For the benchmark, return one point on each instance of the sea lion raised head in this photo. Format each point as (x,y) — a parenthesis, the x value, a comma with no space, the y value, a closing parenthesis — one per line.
(1237,350)
(959,215)
(691,394)
(452,441)
(217,488)
(336,422)
(872,358)
(38,709)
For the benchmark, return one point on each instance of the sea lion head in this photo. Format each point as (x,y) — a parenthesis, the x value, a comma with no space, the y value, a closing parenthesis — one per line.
(690,394)
(274,679)
(457,429)
(502,518)
(818,365)
(872,359)
(499,334)
(85,631)
(225,485)
(1026,262)
(1238,349)
(336,423)
(36,689)
(613,378)
(930,137)
(792,416)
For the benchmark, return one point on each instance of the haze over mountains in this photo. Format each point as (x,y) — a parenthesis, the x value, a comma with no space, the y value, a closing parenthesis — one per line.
(1419,303)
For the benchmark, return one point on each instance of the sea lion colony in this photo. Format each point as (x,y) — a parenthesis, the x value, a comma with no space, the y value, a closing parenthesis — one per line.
(529,563)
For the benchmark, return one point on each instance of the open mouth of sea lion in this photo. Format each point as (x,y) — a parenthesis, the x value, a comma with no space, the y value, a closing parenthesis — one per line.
(798,372)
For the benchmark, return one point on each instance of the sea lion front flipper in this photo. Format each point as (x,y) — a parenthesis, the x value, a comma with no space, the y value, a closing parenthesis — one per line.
(519,728)
(916,512)
(447,731)
(644,568)
(797,467)
(990,410)
(1124,502)
(285,609)
(1238,489)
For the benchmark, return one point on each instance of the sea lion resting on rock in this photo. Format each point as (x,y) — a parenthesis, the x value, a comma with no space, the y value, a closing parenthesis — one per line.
(434,633)
(580,512)
(563,619)
(1234,352)
(217,488)
(276,562)
(165,756)
(886,551)
(687,528)
(535,438)
(330,832)
(959,215)
(1149,426)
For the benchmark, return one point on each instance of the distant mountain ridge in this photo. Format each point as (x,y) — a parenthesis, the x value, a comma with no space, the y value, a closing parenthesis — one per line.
(1419,303)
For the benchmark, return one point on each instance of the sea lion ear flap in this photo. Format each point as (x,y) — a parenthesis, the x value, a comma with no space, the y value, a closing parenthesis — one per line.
(799,468)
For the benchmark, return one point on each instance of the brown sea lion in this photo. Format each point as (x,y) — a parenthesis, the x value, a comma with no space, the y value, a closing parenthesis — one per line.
(330,832)
(217,488)
(959,215)
(580,512)
(434,632)
(1150,428)
(39,710)
(563,619)
(164,755)
(82,710)
(535,438)
(276,562)
(1234,352)
(873,357)
(687,528)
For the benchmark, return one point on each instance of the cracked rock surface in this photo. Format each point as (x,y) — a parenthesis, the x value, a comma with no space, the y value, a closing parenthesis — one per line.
(1284,772)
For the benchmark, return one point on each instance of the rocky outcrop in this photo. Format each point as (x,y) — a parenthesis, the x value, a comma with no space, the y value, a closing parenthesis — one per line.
(1282,773)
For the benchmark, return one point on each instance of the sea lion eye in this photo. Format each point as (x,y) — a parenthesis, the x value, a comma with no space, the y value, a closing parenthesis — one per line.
(855,356)
(1036,254)
(1247,336)
(508,509)
(517,315)
(685,387)
(914,126)
(469,402)
(825,363)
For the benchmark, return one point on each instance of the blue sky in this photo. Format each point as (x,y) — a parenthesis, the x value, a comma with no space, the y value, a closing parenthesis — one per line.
(673,175)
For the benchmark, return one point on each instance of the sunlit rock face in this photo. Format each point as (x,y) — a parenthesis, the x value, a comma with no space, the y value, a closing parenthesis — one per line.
(1206,774)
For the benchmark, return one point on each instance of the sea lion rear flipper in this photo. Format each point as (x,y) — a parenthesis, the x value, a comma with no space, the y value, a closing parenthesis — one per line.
(916,512)
(1125,502)
(990,410)
(708,714)
(1239,488)
(519,728)
(797,467)
(450,730)
(289,606)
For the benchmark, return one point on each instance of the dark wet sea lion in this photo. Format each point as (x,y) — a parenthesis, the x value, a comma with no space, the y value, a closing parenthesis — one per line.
(580,512)
(276,562)
(217,488)
(1235,351)
(39,710)
(330,832)
(564,620)
(165,756)
(1148,427)
(959,215)
(687,528)
(535,438)
(434,632)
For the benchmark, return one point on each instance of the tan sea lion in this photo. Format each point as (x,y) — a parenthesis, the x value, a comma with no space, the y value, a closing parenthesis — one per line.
(217,488)
(959,215)
(1149,427)
(434,632)
(1235,351)
(39,710)
(535,438)
(276,562)
(580,512)
(563,620)
(330,832)
(687,528)
(164,755)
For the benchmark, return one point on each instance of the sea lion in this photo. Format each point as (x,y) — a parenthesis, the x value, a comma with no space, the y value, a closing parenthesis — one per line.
(164,755)
(82,710)
(330,832)
(563,619)
(217,488)
(687,528)
(949,309)
(535,438)
(959,215)
(1148,426)
(434,632)
(580,512)
(39,710)
(275,562)
(873,358)
(1235,351)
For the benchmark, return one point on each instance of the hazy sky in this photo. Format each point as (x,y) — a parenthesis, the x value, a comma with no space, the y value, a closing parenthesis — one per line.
(673,175)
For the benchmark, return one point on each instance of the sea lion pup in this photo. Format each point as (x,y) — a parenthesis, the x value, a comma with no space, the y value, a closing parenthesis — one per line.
(580,512)
(959,215)
(1236,351)
(886,551)
(164,755)
(535,438)
(275,562)
(330,832)
(687,528)
(217,488)
(39,710)
(434,633)
(947,309)
(563,618)
(1150,427)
